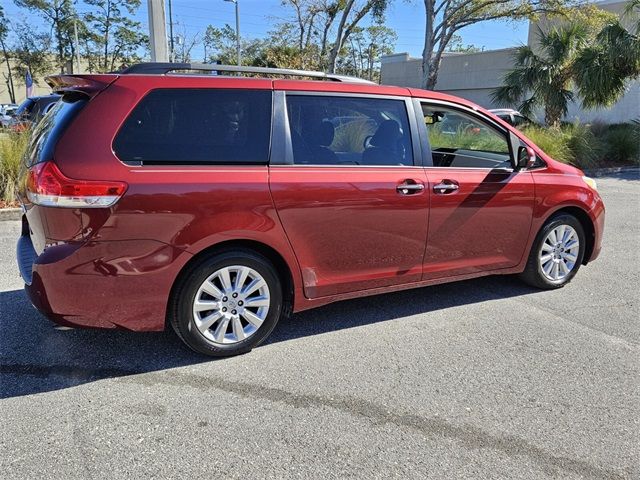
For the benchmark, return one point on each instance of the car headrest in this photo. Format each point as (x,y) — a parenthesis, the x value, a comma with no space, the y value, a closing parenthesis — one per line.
(321,134)
(387,135)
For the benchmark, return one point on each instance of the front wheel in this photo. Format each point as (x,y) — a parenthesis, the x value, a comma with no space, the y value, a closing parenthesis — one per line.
(227,303)
(556,253)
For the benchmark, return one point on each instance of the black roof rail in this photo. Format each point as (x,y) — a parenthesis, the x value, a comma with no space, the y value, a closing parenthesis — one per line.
(152,68)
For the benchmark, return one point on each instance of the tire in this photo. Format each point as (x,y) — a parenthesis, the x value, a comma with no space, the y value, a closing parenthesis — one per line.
(231,318)
(536,272)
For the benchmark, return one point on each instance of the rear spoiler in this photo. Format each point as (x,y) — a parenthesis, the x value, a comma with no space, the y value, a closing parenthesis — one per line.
(89,85)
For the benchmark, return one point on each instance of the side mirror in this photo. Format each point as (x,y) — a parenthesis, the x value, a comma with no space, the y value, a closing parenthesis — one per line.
(526,158)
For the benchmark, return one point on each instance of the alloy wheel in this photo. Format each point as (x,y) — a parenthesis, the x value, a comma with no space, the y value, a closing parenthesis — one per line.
(231,304)
(559,253)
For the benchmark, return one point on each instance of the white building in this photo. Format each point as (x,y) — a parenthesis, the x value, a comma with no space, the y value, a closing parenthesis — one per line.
(474,75)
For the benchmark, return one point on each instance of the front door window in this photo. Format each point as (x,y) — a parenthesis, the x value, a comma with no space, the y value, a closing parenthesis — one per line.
(458,139)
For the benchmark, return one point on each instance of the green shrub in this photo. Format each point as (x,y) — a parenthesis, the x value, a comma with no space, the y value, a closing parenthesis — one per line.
(464,138)
(552,142)
(622,144)
(589,146)
(12,147)
(585,147)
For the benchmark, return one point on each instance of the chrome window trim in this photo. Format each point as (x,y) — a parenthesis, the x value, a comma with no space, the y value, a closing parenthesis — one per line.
(306,165)
(474,112)
(140,164)
(316,93)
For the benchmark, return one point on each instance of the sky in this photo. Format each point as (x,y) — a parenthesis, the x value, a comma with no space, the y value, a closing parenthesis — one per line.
(257,17)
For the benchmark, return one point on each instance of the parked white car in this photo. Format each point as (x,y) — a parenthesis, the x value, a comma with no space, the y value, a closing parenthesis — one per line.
(7,112)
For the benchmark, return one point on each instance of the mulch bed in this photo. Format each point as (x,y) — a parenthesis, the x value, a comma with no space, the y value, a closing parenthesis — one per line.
(4,204)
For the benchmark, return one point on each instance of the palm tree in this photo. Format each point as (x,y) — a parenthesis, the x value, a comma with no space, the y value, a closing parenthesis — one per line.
(571,58)
(544,77)
(603,68)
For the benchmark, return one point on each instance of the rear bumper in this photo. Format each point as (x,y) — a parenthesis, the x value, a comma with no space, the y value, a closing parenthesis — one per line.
(120,284)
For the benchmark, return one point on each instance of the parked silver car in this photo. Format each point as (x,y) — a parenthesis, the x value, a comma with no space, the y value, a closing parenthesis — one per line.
(513,117)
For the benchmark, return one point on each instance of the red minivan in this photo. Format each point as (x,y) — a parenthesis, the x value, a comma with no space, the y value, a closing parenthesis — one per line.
(171,194)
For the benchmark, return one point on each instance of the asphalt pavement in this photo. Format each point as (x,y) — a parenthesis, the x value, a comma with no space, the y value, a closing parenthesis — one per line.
(482,379)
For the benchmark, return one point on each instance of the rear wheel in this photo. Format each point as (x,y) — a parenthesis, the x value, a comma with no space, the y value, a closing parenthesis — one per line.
(556,254)
(227,303)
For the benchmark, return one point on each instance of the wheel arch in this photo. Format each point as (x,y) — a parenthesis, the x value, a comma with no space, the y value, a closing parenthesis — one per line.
(276,258)
(587,224)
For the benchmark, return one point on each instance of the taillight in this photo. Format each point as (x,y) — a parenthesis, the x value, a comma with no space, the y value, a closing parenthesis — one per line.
(48,186)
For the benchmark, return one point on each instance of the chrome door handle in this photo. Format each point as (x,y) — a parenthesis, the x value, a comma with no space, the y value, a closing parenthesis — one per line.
(446,187)
(409,188)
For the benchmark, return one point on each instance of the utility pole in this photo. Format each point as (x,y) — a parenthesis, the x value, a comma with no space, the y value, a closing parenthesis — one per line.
(237,30)
(157,31)
(172,57)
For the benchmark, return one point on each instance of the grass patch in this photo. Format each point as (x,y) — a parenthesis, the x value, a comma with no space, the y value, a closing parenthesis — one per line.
(466,138)
(12,148)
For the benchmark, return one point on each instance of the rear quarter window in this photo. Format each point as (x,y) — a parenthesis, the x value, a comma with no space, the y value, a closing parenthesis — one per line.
(197,126)
(48,131)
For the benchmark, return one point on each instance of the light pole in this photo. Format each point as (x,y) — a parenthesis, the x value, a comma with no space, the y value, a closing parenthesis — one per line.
(237,30)
(157,31)
(171,54)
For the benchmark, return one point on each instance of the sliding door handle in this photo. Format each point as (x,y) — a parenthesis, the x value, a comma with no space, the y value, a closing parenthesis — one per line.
(446,186)
(409,188)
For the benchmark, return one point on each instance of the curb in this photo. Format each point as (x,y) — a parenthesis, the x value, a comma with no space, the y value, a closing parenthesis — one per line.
(10,214)
(611,170)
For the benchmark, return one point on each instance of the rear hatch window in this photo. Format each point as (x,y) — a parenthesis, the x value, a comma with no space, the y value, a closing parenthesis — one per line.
(48,131)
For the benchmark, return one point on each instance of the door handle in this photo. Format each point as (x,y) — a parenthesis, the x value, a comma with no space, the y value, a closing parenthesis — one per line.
(407,188)
(446,186)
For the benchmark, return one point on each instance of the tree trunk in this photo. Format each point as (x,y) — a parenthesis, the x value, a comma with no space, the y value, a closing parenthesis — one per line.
(312,20)
(72,46)
(354,58)
(323,45)
(429,73)
(436,60)
(10,87)
(552,115)
(340,37)
(107,26)
(301,26)
(60,46)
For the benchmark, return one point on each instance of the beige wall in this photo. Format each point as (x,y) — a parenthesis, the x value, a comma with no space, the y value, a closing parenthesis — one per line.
(612,6)
(474,75)
(467,75)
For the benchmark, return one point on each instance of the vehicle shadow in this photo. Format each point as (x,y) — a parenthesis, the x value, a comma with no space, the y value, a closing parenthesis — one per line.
(35,357)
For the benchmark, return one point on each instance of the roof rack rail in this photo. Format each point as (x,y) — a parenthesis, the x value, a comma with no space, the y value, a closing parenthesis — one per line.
(159,68)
